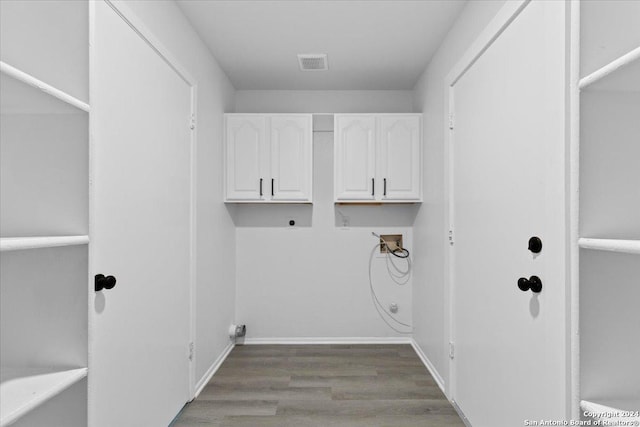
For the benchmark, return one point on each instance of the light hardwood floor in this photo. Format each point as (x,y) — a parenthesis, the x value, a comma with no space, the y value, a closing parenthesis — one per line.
(321,385)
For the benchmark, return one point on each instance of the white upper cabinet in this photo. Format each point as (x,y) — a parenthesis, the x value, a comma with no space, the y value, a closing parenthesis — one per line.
(268,158)
(378,158)
(290,139)
(399,157)
(355,157)
(245,155)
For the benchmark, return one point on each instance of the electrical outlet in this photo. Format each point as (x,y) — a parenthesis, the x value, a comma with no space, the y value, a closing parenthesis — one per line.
(393,240)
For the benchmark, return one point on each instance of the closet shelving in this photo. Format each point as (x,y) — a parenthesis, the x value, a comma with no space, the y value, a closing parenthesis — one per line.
(22,243)
(612,410)
(613,245)
(44,146)
(609,208)
(24,389)
(27,79)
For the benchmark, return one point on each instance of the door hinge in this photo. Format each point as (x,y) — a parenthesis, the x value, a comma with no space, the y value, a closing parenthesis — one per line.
(451,350)
(451,241)
(191,350)
(451,121)
(192,122)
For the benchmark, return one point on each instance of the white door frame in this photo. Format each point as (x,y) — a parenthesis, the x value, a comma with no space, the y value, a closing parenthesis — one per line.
(505,16)
(132,20)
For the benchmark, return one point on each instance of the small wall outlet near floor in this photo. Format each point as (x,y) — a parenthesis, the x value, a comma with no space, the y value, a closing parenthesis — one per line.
(393,242)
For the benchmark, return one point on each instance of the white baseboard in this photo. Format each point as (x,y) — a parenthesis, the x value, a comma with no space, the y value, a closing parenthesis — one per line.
(327,340)
(436,376)
(461,414)
(427,363)
(212,369)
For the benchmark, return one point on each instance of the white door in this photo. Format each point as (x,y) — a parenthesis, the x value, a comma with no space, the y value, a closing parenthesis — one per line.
(247,158)
(140,230)
(355,158)
(508,146)
(399,157)
(291,157)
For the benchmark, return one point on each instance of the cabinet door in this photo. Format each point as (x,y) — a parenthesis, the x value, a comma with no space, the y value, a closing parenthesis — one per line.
(399,157)
(355,158)
(245,157)
(291,157)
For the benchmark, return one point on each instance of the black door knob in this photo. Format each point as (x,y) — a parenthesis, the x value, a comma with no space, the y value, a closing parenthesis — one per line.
(104,282)
(524,284)
(535,245)
(536,284)
(533,283)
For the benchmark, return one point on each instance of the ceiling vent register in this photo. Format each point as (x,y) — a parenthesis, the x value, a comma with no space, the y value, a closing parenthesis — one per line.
(313,62)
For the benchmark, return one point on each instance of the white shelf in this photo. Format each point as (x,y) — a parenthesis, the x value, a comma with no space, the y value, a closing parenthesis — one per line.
(18,98)
(609,409)
(21,243)
(608,29)
(621,74)
(23,389)
(611,245)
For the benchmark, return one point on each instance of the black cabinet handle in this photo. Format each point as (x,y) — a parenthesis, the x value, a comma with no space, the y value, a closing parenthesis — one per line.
(261,186)
(272,180)
(373,186)
(384,193)
(104,282)
(533,283)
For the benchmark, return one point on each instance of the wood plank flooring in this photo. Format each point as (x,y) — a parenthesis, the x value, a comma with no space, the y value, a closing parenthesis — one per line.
(318,386)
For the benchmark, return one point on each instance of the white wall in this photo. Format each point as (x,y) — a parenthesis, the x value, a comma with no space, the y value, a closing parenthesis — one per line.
(429,228)
(216,235)
(311,281)
(324,101)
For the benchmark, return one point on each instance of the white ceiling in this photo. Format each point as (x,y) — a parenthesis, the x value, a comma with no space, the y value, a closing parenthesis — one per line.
(375,44)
